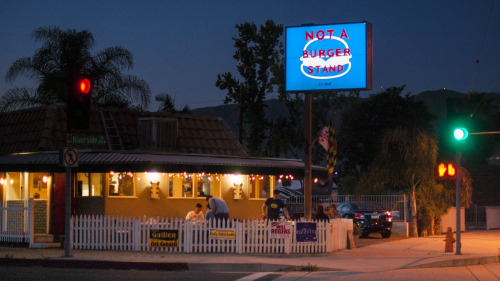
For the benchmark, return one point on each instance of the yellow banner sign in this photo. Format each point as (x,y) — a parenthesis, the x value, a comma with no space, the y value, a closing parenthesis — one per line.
(164,238)
(223,234)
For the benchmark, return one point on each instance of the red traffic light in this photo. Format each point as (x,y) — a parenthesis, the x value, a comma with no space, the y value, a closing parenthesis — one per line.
(84,86)
(447,169)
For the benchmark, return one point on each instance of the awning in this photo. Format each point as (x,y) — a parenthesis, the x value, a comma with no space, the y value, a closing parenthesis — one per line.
(137,161)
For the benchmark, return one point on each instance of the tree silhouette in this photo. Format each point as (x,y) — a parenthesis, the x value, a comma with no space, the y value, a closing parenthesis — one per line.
(65,54)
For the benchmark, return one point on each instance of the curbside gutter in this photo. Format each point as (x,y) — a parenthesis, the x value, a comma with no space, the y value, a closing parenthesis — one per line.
(160,266)
(456,262)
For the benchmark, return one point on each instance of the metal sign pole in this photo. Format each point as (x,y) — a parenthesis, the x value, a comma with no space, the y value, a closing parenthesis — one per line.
(458,250)
(308,157)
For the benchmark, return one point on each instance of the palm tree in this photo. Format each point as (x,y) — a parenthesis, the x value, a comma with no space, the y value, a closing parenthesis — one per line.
(65,54)
(167,104)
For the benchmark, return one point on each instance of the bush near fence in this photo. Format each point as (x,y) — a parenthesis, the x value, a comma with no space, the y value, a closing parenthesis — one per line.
(246,236)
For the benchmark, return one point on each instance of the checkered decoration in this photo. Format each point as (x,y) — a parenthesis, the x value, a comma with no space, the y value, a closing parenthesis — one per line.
(331,159)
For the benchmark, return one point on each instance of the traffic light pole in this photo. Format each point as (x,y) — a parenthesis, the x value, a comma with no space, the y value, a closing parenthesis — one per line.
(458,250)
(67,214)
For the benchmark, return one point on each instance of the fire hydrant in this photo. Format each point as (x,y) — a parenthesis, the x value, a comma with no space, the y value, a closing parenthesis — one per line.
(450,240)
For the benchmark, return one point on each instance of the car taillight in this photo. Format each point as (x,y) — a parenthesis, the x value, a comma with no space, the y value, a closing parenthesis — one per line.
(388,216)
(359,216)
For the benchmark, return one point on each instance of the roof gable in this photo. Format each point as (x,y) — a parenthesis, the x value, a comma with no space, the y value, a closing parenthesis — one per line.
(44,128)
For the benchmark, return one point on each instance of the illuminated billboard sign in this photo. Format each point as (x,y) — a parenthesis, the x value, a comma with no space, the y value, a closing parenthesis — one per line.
(329,57)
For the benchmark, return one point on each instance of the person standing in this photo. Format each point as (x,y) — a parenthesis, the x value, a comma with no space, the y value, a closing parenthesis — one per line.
(333,213)
(320,214)
(209,215)
(272,207)
(196,215)
(218,207)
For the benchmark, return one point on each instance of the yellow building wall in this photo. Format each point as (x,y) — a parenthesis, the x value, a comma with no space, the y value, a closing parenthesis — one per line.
(143,205)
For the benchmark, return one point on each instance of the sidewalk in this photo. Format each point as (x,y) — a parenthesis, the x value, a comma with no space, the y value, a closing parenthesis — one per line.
(478,247)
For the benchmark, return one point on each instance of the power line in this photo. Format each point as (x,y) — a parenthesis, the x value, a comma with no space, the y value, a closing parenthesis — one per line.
(482,47)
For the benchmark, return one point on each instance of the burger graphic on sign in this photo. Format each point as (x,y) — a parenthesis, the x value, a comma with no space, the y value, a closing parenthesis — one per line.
(328,57)
(325,56)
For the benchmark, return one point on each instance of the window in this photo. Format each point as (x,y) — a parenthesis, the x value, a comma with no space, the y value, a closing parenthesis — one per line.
(261,186)
(191,185)
(204,186)
(121,184)
(187,186)
(88,184)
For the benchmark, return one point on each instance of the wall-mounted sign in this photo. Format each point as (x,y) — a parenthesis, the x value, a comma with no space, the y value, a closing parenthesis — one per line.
(329,57)
(162,238)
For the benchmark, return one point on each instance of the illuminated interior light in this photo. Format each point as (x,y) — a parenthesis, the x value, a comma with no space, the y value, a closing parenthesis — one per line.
(237,179)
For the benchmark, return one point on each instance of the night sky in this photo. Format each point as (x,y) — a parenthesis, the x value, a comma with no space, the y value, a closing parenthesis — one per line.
(179,47)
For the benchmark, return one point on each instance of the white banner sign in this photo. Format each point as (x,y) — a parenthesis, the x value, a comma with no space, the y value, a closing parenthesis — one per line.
(280,230)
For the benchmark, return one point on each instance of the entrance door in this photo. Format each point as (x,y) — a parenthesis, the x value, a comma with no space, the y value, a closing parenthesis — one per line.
(57,210)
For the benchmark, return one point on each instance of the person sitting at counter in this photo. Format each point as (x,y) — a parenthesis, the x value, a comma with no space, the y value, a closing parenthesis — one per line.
(196,215)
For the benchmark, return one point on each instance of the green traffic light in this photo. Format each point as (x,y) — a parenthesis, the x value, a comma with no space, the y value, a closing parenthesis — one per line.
(460,134)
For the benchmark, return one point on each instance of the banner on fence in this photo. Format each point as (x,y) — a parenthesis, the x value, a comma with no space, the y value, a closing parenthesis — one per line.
(164,238)
(306,232)
(280,230)
(222,234)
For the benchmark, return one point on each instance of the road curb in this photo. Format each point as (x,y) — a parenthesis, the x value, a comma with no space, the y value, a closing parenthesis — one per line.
(59,263)
(161,266)
(457,262)
(249,267)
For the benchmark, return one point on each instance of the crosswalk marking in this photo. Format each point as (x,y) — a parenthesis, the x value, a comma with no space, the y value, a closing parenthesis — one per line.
(254,276)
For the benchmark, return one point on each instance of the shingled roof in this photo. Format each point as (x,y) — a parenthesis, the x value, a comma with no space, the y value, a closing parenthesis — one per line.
(44,129)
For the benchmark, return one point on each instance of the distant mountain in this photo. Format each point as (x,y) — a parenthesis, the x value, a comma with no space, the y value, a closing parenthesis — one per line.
(435,101)
(230,112)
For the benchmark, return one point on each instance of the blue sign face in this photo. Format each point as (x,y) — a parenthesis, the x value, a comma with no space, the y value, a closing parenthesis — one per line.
(306,232)
(328,57)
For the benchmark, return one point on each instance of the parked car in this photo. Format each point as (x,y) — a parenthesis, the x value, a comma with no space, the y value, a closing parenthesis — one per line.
(368,217)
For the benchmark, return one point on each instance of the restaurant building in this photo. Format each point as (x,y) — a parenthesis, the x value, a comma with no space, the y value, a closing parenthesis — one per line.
(132,163)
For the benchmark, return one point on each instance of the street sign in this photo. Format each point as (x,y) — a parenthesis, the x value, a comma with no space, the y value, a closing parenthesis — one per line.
(89,140)
(70,157)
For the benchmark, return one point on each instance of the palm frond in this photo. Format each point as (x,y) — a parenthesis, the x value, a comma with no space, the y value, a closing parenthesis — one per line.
(19,98)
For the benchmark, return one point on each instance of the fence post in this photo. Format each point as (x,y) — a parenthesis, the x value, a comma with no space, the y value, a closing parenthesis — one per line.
(136,234)
(405,208)
(329,235)
(31,211)
(187,236)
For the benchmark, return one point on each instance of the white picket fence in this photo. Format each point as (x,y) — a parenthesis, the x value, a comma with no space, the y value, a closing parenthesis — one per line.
(247,236)
(16,221)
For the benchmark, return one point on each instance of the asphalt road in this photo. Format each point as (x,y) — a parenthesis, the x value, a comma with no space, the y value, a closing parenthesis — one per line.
(77,274)
(464,273)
